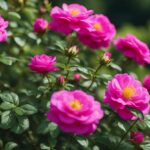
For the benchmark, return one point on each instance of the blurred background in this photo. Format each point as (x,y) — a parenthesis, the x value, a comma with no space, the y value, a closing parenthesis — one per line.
(120,12)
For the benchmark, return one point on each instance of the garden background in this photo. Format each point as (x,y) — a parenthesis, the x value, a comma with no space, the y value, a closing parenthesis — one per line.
(24,125)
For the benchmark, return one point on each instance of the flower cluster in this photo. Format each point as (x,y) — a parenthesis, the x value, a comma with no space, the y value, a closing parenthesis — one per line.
(3,32)
(76,111)
(95,31)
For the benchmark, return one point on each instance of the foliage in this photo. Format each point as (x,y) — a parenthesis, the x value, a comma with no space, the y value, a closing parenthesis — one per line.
(25,95)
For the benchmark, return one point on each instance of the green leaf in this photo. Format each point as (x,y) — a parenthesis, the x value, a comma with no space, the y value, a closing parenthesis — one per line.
(7,60)
(19,111)
(14,16)
(29,109)
(147,121)
(19,41)
(7,119)
(82,141)
(10,146)
(83,70)
(44,147)
(3,5)
(10,97)
(22,124)
(6,106)
(46,127)
(105,76)
(115,66)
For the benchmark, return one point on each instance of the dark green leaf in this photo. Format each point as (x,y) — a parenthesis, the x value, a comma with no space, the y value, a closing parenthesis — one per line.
(10,146)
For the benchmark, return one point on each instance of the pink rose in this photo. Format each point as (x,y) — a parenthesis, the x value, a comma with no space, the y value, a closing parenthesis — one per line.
(68,18)
(133,48)
(3,35)
(3,24)
(43,63)
(147,82)
(137,137)
(40,25)
(124,92)
(75,112)
(99,34)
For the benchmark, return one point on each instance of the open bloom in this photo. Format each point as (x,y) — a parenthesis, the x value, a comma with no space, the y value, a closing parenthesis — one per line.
(99,33)
(137,137)
(68,18)
(147,82)
(40,25)
(75,112)
(3,26)
(133,48)
(124,92)
(43,63)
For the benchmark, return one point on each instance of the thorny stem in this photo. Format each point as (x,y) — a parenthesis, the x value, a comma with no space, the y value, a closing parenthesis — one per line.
(118,145)
(94,75)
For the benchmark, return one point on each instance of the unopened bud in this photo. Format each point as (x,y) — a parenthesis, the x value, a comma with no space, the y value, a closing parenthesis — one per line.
(73,50)
(136,137)
(77,76)
(107,56)
(61,79)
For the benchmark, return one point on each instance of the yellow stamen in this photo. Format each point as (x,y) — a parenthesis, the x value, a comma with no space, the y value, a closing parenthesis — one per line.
(97,26)
(74,12)
(128,92)
(75,104)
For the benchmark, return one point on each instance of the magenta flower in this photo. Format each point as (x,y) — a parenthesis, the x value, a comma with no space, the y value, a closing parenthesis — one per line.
(40,25)
(68,18)
(124,92)
(3,26)
(61,79)
(3,35)
(99,34)
(133,48)
(43,63)
(137,137)
(77,76)
(75,112)
(147,82)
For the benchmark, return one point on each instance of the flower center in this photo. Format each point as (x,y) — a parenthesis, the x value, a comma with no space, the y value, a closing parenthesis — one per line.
(75,104)
(74,12)
(97,26)
(128,92)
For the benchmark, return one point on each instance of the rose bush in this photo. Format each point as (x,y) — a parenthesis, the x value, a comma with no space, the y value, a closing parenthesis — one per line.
(64,85)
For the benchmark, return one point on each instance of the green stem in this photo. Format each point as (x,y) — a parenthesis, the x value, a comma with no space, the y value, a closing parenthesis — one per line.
(94,76)
(68,71)
(126,134)
(48,80)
